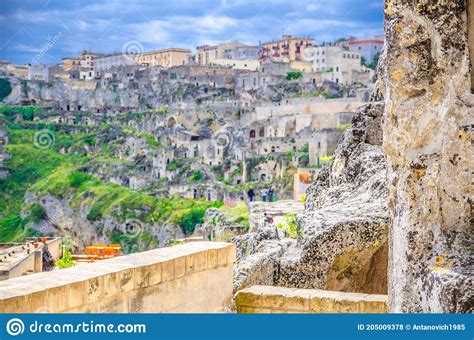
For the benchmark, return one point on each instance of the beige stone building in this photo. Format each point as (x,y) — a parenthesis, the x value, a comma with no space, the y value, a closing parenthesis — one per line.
(289,48)
(206,53)
(20,71)
(338,64)
(87,58)
(166,58)
(70,63)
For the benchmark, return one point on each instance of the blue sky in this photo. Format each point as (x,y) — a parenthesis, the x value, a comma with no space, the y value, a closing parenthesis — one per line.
(45,31)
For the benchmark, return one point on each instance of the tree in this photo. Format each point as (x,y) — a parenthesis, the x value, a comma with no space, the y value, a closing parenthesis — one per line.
(374,63)
(294,75)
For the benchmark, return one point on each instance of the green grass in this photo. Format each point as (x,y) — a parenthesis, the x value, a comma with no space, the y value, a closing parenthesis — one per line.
(237,213)
(48,171)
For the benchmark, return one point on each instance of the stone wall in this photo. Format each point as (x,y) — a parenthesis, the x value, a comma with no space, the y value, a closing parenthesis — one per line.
(428,140)
(19,259)
(195,277)
(268,299)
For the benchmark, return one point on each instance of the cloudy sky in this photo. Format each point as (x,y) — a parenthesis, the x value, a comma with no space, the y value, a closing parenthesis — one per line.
(44,31)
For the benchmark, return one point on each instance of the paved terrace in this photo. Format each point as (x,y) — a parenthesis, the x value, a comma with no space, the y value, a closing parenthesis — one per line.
(17,259)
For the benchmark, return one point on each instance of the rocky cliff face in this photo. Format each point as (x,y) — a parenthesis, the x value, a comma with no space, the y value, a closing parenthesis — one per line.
(428,141)
(62,219)
(345,223)
(345,220)
(3,154)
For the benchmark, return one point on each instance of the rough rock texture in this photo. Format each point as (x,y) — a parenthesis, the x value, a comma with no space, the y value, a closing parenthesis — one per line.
(345,219)
(428,140)
(344,224)
(258,256)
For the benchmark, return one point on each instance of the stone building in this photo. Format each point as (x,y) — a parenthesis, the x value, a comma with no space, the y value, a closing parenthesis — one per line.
(112,60)
(250,65)
(165,58)
(38,72)
(214,77)
(339,64)
(207,53)
(287,48)
(19,71)
(367,48)
(70,63)
(323,143)
(242,53)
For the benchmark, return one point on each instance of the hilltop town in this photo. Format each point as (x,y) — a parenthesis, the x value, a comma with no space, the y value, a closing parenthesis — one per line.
(289,177)
(207,127)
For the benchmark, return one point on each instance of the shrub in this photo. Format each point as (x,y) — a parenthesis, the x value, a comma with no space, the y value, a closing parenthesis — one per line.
(37,213)
(192,217)
(237,213)
(76,178)
(294,75)
(5,88)
(290,226)
(197,176)
(66,261)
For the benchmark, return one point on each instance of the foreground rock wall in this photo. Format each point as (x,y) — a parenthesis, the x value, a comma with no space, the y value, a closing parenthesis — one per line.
(428,142)
(344,226)
(345,222)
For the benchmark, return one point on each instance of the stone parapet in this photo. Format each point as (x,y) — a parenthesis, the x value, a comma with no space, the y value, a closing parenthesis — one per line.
(195,277)
(270,299)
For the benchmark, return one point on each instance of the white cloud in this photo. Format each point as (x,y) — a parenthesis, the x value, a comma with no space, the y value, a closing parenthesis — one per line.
(312,7)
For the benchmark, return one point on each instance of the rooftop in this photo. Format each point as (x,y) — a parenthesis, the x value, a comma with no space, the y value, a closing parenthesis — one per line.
(364,42)
(173,49)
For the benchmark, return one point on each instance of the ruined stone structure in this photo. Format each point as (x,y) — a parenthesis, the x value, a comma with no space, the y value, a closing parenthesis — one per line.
(428,138)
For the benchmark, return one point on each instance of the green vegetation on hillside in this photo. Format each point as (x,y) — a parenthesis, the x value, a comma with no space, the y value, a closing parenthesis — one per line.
(237,213)
(5,88)
(42,171)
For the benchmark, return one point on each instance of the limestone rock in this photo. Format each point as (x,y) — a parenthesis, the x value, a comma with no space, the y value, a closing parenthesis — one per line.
(344,223)
(428,140)
(345,220)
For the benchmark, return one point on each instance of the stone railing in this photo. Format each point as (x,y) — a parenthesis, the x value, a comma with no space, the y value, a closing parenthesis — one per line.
(195,277)
(269,299)
(26,259)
